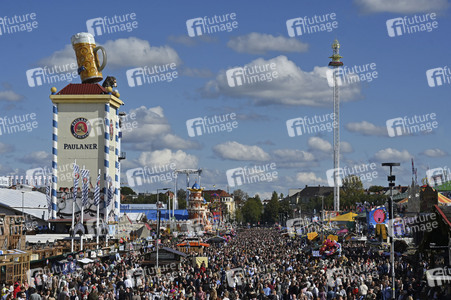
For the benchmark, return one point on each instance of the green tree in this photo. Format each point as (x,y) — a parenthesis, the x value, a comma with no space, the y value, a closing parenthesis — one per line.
(352,191)
(125,190)
(271,212)
(239,215)
(375,188)
(252,210)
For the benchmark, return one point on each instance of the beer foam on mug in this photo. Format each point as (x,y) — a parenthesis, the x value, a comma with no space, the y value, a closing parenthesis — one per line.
(83,37)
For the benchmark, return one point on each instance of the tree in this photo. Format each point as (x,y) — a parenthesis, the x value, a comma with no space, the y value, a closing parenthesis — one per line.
(375,189)
(239,215)
(352,191)
(271,212)
(181,198)
(252,210)
(239,196)
(125,190)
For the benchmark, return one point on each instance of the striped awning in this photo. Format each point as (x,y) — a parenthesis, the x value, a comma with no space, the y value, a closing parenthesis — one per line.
(442,200)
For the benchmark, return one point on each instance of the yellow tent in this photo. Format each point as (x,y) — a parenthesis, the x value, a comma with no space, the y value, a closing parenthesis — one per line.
(344,218)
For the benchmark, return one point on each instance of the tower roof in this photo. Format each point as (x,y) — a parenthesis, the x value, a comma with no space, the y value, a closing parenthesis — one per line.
(83,89)
(196,186)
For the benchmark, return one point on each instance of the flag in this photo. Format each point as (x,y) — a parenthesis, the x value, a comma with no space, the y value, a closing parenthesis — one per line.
(84,189)
(49,198)
(76,178)
(110,192)
(97,191)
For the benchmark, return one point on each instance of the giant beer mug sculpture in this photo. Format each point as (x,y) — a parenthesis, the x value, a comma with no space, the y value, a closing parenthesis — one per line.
(89,68)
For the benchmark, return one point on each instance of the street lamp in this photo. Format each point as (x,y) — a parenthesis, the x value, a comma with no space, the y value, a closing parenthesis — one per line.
(391,184)
(158,222)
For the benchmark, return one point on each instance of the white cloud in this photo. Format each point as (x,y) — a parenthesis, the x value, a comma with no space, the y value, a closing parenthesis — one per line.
(317,143)
(259,43)
(346,147)
(152,131)
(60,58)
(402,6)
(166,157)
(41,158)
(293,158)
(434,153)
(10,96)
(309,178)
(293,155)
(6,148)
(366,128)
(137,53)
(293,86)
(237,151)
(129,52)
(392,155)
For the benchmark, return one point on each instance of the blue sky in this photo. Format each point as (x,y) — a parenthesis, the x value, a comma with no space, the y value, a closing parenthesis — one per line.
(262,109)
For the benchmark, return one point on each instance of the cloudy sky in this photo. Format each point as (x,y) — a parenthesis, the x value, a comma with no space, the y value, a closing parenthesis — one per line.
(281,47)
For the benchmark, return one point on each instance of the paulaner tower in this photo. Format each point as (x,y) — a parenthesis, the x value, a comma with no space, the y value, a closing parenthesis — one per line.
(86,130)
(336,63)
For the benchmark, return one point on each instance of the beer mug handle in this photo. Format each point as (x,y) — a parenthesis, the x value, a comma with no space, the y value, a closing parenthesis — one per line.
(104,57)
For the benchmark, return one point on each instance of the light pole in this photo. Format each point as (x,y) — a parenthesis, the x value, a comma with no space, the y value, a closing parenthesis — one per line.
(391,184)
(158,223)
(24,227)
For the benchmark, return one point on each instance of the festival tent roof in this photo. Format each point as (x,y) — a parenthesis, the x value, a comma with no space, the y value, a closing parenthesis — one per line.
(405,200)
(344,218)
(442,200)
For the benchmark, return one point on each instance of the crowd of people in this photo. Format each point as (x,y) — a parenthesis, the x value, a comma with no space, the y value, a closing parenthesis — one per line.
(258,263)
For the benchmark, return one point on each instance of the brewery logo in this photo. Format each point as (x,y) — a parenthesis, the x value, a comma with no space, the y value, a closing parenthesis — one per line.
(80,128)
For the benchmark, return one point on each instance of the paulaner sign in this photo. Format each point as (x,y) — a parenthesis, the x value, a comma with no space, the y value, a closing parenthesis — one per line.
(80,146)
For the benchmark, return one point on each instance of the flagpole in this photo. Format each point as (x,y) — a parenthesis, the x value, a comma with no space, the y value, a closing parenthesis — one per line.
(107,203)
(98,204)
(82,210)
(73,209)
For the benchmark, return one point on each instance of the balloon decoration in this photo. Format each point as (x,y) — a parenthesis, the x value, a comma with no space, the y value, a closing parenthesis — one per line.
(330,247)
